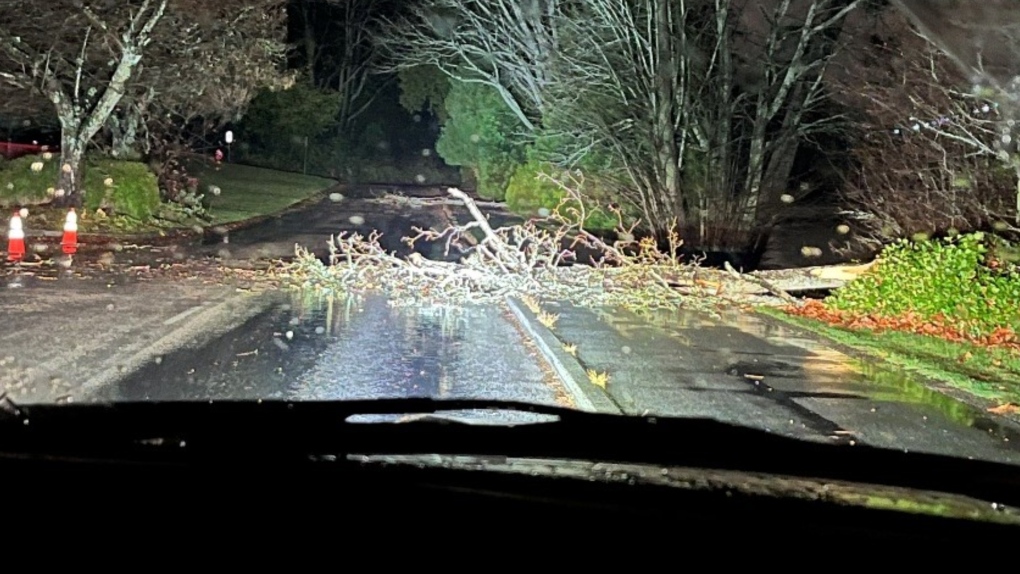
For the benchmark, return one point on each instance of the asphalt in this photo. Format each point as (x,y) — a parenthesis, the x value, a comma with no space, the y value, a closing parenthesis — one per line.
(744,369)
(361,210)
(300,348)
(62,339)
(165,322)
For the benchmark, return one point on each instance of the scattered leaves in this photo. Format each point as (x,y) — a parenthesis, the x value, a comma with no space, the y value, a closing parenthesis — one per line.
(531,303)
(598,379)
(570,348)
(548,319)
(1005,409)
(937,326)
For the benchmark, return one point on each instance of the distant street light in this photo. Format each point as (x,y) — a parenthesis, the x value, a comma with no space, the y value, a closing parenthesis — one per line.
(229,139)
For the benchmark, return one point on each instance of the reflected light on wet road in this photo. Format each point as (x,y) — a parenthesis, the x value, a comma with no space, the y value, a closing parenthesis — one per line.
(309,348)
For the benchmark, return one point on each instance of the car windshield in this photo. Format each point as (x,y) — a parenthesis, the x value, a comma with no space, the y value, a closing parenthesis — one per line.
(796,216)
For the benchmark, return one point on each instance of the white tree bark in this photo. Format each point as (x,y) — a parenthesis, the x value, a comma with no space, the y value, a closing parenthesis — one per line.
(82,104)
(506,44)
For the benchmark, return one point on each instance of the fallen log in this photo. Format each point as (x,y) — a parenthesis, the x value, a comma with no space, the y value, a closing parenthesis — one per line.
(768,286)
(774,281)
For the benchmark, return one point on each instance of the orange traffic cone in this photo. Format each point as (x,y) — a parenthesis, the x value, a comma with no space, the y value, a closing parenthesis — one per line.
(15,239)
(69,243)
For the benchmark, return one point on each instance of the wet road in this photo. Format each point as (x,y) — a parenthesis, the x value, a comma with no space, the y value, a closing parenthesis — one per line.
(64,338)
(750,370)
(118,334)
(358,210)
(303,348)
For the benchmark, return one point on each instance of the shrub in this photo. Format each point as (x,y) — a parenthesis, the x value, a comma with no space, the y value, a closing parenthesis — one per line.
(528,192)
(532,188)
(481,134)
(966,280)
(133,189)
(19,185)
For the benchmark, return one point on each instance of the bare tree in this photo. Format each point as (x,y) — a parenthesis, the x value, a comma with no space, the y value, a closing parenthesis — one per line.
(702,104)
(980,37)
(80,56)
(926,153)
(207,62)
(506,44)
(799,41)
(339,52)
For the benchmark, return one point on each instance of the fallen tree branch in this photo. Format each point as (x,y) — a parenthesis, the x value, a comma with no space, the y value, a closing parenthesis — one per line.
(763,283)
(518,260)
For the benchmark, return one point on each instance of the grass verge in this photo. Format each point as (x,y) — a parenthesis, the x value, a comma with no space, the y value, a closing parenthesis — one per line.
(247,192)
(986,375)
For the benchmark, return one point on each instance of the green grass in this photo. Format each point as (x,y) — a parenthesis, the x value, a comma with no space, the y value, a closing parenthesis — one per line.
(247,192)
(989,374)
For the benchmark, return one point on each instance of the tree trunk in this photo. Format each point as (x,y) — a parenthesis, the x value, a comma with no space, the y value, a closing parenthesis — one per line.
(69,177)
(665,120)
(311,47)
(123,128)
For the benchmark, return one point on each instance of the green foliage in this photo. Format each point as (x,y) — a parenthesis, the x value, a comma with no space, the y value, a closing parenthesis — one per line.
(19,185)
(552,147)
(424,88)
(125,187)
(603,178)
(302,111)
(479,134)
(530,189)
(947,278)
(133,189)
(382,145)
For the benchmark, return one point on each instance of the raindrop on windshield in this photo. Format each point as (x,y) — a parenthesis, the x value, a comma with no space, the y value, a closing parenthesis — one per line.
(809,251)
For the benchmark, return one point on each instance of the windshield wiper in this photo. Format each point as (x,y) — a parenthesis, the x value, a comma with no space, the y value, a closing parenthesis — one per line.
(280,431)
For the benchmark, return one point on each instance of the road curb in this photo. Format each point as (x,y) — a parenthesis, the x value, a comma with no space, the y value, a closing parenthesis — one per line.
(586,396)
(297,206)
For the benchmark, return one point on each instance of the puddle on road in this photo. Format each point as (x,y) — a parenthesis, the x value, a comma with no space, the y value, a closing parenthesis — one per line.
(307,347)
